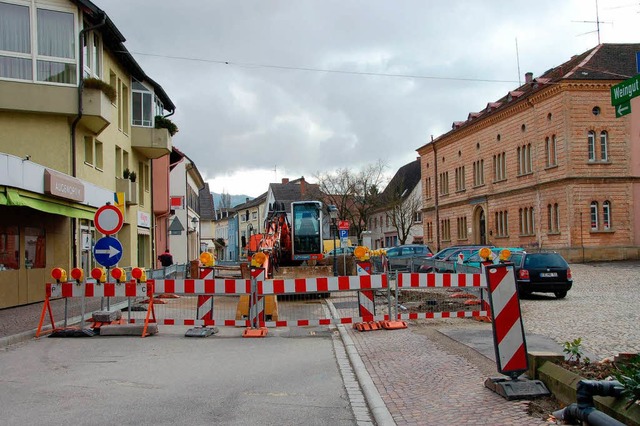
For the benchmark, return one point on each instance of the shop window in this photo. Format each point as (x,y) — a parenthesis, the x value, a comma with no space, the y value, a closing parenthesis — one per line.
(9,248)
(35,248)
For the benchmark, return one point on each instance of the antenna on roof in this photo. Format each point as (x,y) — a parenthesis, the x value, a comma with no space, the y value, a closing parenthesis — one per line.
(597,22)
(518,59)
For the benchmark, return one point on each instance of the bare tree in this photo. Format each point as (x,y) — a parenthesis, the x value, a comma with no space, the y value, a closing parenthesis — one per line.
(401,213)
(355,194)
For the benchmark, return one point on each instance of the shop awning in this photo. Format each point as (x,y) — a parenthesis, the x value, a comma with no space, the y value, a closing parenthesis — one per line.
(15,197)
(144,231)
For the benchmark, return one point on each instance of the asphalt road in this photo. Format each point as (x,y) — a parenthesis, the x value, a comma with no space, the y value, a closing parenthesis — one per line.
(167,379)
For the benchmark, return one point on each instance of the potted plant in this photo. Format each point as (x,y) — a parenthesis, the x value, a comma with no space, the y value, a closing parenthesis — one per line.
(165,123)
(132,176)
(104,87)
(126,173)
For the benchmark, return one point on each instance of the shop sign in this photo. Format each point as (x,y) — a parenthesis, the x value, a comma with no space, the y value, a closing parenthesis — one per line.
(144,219)
(63,186)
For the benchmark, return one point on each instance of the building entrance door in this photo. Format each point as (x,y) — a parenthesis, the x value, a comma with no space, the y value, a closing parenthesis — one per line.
(479,228)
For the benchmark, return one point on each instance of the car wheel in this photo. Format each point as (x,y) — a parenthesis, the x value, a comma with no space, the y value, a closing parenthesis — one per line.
(523,294)
(560,294)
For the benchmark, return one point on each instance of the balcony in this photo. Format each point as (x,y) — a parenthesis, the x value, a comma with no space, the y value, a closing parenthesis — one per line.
(38,98)
(97,110)
(63,100)
(130,190)
(152,143)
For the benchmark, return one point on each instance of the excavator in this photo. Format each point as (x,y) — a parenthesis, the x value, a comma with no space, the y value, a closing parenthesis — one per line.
(284,243)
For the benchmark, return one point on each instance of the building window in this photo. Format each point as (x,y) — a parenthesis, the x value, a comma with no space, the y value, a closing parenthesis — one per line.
(9,247)
(478,173)
(550,150)
(254,215)
(460,177)
(141,183)
(88,150)
(502,224)
(594,215)
(125,109)
(604,153)
(93,155)
(54,57)
(462,228)
(445,226)
(427,185)
(525,162)
(429,231)
(591,142)
(444,183)
(35,248)
(553,218)
(147,178)
(527,221)
(119,168)
(606,215)
(417,217)
(92,55)
(499,167)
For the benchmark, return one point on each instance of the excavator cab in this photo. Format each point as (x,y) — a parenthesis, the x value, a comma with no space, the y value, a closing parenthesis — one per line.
(306,230)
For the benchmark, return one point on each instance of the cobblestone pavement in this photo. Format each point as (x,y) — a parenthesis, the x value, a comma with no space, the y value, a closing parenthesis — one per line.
(602,308)
(426,378)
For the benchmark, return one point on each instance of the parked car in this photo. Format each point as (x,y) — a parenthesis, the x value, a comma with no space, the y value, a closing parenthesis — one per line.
(408,257)
(542,273)
(475,260)
(340,251)
(429,264)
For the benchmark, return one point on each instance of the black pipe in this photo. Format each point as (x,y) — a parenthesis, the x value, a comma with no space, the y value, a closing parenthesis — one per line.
(584,410)
(74,225)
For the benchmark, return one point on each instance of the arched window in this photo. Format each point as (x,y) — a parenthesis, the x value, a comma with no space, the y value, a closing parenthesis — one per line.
(604,153)
(591,142)
(594,215)
(606,215)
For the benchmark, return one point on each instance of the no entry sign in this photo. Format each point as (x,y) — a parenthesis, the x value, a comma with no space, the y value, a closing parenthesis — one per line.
(108,219)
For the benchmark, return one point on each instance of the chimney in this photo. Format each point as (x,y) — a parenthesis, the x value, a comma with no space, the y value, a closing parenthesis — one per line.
(285,180)
(303,186)
(528,77)
(246,200)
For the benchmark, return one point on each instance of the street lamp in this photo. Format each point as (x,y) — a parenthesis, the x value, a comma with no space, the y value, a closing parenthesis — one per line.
(333,214)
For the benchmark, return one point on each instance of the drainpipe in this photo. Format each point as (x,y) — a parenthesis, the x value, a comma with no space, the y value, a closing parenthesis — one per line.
(584,410)
(436,189)
(74,224)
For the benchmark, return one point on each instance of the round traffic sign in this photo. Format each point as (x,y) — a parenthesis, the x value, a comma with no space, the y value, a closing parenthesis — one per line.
(108,219)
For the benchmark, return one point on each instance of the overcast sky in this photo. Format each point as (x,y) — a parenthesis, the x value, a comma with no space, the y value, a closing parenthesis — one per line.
(267,89)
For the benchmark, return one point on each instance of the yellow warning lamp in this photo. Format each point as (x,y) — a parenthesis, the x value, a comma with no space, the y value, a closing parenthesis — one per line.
(505,254)
(258,259)
(139,274)
(119,274)
(485,253)
(77,274)
(206,259)
(59,274)
(361,252)
(99,274)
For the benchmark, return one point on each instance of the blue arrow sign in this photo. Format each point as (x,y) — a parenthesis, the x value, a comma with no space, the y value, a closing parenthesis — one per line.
(107,251)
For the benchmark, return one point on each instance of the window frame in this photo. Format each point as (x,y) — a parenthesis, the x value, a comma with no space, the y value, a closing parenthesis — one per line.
(40,61)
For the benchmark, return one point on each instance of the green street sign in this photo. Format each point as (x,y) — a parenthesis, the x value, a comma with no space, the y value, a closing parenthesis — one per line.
(623,109)
(625,91)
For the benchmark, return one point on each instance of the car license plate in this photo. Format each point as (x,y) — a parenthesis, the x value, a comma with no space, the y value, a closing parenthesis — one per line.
(548,274)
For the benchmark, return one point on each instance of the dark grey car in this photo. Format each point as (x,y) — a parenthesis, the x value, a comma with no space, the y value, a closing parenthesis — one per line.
(407,257)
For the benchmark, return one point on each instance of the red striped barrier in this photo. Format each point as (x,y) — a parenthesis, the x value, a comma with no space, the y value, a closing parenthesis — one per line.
(508,330)
(72,289)
(413,280)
